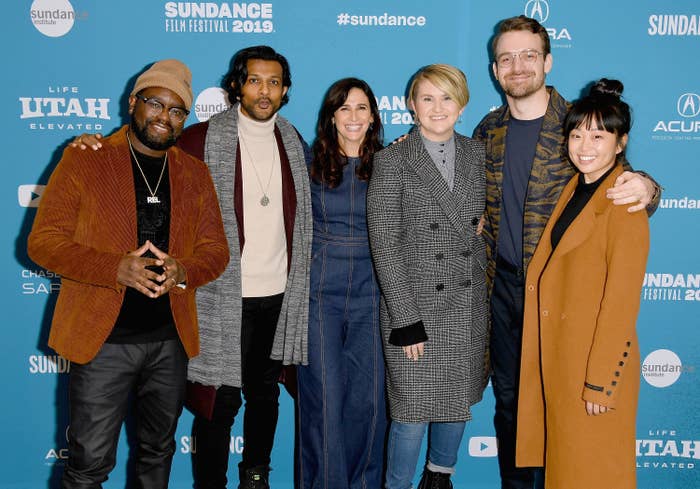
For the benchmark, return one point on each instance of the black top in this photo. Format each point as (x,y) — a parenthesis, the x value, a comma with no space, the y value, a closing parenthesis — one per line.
(582,194)
(142,319)
(521,143)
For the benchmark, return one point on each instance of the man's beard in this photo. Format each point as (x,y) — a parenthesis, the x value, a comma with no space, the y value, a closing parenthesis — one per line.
(141,132)
(519,90)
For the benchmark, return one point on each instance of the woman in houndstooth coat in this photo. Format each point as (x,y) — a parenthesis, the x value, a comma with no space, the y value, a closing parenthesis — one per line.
(424,202)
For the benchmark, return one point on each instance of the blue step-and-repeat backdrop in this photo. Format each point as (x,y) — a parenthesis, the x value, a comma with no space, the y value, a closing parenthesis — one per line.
(69,67)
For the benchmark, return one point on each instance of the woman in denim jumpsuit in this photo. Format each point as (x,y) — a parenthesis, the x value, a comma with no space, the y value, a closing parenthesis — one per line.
(342,410)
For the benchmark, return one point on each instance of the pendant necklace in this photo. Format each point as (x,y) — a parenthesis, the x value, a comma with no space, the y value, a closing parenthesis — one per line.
(264,200)
(152,199)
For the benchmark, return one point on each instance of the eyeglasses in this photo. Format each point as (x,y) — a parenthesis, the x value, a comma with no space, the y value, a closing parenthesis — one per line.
(526,56)
(178,114)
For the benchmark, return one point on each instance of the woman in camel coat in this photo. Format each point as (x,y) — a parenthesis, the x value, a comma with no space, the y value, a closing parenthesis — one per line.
(579,379)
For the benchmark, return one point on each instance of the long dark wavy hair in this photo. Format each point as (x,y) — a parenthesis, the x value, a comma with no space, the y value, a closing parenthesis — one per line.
(328,158)
(237,74)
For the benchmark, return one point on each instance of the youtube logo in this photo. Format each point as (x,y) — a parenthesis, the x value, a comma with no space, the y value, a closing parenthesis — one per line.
(483,446)
(30,195)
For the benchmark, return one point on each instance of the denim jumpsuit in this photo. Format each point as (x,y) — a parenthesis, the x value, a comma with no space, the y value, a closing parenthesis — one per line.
(342,410)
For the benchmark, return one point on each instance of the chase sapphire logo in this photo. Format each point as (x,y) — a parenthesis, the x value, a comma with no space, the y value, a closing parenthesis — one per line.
(689,105)
(538,10)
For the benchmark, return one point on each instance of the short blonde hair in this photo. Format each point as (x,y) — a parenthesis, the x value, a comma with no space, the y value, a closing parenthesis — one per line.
(447,78)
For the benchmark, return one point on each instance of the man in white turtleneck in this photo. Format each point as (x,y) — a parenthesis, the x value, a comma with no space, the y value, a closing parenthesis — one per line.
(254,318)
(264,258)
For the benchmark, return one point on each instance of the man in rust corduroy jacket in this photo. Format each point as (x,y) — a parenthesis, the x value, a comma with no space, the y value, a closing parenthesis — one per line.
(133,230)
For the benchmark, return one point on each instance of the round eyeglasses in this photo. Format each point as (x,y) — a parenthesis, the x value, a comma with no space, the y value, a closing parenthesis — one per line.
(526,56)
(155,106)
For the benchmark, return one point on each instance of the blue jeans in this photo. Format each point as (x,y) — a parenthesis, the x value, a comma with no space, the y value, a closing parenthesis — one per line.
(405,440)
(342,409)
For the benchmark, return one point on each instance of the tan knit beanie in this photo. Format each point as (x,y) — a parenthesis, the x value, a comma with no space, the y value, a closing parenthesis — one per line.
(168,73)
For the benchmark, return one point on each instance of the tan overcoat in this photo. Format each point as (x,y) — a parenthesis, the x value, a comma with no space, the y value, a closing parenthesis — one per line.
(579,344)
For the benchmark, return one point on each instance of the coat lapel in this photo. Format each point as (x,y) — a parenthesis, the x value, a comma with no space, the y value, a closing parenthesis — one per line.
(434,182)
(177,209)
(463,171)
(119,191)
(585,223)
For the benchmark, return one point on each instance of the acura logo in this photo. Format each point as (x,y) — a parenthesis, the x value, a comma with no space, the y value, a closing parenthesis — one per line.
(538,10)
(689,105)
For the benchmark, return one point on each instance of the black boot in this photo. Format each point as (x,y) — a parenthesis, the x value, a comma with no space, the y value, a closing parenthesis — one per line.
(254,477)
(435,480)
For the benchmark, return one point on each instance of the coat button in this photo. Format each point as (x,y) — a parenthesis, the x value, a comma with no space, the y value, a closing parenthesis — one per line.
(545,313)
(609,393)
(434,225)
(466,283)
(530,287)
(439,286)
(439,256)
(475,221)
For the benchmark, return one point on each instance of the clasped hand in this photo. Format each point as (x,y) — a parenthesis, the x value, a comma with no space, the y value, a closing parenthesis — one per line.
(133,271)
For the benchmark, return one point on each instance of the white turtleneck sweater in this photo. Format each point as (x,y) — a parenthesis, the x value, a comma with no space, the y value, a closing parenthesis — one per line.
(264,258)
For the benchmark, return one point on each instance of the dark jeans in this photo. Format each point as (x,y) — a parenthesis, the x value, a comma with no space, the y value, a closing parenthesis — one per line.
(99,395)
(507,302)
(261,393)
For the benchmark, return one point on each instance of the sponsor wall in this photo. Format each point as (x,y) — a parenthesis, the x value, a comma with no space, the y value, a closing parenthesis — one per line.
(70,64)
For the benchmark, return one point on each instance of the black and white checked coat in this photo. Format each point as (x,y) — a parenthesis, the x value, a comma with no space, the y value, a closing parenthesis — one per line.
(431,268)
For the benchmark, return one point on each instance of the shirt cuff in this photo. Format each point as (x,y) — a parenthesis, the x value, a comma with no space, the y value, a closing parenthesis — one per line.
(408,335)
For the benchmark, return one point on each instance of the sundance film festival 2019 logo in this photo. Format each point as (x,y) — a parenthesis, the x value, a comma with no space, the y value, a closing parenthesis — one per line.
(63,109)
(667,287)
(684,127)
(674,25)
(539,10)
(214,17)
(393,110)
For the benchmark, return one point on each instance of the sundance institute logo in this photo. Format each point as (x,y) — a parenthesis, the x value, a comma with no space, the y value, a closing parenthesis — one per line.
(53,18)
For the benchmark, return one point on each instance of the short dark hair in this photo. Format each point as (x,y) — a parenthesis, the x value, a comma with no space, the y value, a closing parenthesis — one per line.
(521,23)
(602,106)
(328,160)
(238,71)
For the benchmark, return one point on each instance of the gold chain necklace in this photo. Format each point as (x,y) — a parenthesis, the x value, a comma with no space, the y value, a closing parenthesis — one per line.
(152,199)
(264,200)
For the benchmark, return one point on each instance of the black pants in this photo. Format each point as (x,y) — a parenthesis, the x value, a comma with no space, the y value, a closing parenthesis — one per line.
(507,302)
(261,392)
(99,394)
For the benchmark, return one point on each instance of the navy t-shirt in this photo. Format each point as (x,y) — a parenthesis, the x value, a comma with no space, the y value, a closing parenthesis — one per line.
(521,142)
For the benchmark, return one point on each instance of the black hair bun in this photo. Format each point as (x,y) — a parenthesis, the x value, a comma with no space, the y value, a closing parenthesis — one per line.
(610,88)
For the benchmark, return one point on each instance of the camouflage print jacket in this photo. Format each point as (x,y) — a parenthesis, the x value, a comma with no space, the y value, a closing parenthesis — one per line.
(550,173)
